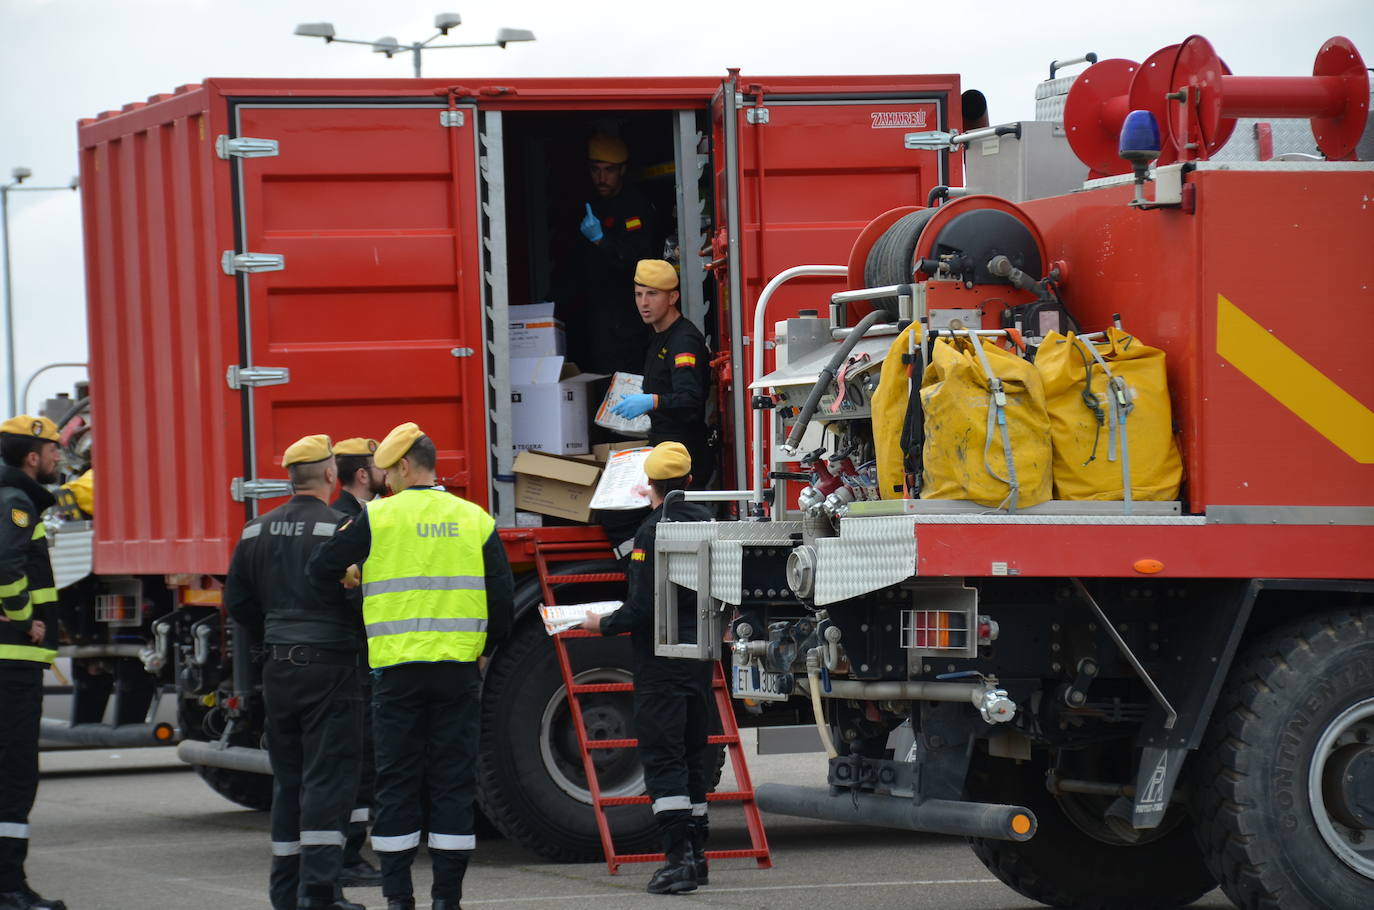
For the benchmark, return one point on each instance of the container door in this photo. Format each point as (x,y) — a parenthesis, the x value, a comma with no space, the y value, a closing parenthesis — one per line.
(374,311)
(802,165)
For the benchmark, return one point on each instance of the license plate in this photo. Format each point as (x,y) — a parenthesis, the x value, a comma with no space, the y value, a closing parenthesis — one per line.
(758,684)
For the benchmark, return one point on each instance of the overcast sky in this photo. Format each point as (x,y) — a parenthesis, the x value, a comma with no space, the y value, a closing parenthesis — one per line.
(61,60)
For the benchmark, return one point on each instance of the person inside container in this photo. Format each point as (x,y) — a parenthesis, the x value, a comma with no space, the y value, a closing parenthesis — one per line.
(617,227)
(675,365)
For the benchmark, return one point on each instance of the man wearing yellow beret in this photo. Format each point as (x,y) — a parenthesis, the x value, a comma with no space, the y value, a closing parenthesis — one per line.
(360,480)
(437,597)
(30,451)
(671,698)
(675,368)
(618,227)
(310,684)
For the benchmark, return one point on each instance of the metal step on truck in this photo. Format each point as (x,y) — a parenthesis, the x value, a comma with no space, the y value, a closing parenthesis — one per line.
(1113,623)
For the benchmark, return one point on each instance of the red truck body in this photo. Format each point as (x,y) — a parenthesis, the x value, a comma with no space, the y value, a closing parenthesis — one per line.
(381,214)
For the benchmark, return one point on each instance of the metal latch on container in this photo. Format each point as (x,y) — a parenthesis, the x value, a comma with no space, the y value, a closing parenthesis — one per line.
(233,262)
(462,352)
(251,377)
(756,115)
(451,118)
(242,490)
(933,141)
(245,147)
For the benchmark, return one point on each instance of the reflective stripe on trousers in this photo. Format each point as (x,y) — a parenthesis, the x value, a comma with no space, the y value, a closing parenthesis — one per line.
(396,844)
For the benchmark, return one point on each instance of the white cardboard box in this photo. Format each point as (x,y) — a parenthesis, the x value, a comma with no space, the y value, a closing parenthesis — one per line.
(534,332)
(622,384)
(549,405)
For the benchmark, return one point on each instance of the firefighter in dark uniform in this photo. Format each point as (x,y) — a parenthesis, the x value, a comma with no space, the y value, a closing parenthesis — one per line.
(618,228)
(309,681)
(675,369)
(360,481)
(30,451)
(671,697)
(437,597)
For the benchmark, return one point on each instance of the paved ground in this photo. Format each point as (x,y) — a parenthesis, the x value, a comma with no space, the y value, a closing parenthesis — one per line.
(137,829)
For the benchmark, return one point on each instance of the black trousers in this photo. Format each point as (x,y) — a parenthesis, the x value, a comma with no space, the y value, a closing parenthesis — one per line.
(365,804)
(21,694)
(672,722)
(425,720)
(314,734)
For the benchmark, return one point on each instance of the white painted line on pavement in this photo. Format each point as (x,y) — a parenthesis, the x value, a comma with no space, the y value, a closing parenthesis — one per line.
(712,889)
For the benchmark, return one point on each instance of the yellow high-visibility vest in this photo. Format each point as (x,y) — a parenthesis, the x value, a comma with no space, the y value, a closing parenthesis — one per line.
(424,584)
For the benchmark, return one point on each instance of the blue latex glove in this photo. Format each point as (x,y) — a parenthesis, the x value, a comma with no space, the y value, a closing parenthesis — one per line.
(632,406)
(591,226)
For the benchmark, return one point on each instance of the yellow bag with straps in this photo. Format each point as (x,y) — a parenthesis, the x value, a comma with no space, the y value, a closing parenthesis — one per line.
(888,406)
(1110,418)
(986,428)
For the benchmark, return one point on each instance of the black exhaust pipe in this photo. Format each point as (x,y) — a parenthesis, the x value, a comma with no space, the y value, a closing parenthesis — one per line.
(61,734)
(233,758)
(934,816)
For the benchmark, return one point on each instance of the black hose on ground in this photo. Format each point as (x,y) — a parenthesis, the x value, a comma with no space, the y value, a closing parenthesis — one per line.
(823,380)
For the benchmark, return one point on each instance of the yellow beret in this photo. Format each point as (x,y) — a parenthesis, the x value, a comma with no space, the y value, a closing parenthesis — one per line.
(24,425)
(607,148)
(358,445)
(307,450)
(668,460)
(396,445)
(656,273)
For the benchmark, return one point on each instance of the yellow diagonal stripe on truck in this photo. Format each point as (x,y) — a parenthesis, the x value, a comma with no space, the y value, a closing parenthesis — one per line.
(1294,383)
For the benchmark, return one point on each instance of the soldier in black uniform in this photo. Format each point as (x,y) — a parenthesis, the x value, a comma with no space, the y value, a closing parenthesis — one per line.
(617,229)
(29,448)
(672,712)
(675,369)
(309,683)
(360,481)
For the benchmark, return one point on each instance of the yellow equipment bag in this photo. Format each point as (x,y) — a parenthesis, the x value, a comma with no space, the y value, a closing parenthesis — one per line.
(888,406)
(83,491)
(1110,418)
(986,428)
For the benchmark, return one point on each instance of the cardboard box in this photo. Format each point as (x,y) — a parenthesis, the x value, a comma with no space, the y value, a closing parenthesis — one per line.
(602,450)
(534,332)
(553,485)
(549,405)
(622,384)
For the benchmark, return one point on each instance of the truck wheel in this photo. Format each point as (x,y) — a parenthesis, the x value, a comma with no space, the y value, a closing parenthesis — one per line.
(1074,859)
(530,781)
(253,791)
(1285,800)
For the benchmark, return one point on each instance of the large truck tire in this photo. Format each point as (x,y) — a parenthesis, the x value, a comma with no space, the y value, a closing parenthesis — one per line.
(1288,769)
(1071,862)
(253,791)
(530,780)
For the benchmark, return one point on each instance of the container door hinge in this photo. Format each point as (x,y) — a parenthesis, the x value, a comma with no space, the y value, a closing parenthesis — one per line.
(756,115)
(233,262)
(462,352)
(251,377)
(452,118)
(245,147)
(242,490)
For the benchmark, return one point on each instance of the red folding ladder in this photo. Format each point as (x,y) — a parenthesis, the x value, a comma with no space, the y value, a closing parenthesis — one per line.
(547,554)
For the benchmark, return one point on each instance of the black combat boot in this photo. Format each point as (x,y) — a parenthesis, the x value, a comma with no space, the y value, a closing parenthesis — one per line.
(28,899)
(441,903)
(360,874)
(698,830)
(337,903)
(679,874)
(406,902)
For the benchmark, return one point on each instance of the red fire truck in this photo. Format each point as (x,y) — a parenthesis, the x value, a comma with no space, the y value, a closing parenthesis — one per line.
(1121,704)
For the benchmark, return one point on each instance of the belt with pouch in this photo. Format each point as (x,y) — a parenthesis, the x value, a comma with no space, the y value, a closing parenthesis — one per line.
(301,655)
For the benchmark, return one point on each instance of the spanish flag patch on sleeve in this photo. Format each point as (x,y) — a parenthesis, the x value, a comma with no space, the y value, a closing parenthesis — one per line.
(685,360)
(637,555)
(633,224)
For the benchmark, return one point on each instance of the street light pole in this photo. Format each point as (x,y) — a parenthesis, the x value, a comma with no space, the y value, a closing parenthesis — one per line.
(19,175)
(391,47)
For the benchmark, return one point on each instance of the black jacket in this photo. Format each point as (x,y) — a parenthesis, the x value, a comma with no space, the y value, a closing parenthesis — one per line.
(675,369)
(347,505)
(636,615)
(24,565)
(267,589)
(354,541)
